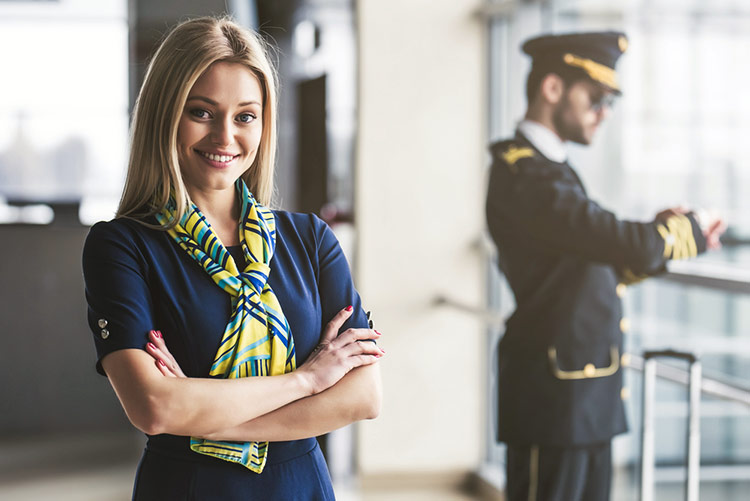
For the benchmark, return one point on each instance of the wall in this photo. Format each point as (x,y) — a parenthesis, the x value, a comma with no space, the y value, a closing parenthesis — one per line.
(419,213)
(48,358)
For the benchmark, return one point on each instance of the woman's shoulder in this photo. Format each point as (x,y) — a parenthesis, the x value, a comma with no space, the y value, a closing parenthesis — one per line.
(122,227)
(297,219)
(304,233)
(118,235)
(308,231)
(302,224)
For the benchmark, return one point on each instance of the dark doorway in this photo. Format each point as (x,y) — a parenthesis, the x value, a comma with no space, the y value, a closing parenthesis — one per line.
(312,151)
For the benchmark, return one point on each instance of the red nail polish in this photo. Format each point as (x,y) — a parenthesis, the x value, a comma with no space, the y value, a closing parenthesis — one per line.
(157,334)
(378,333)
(152,332)
(152,346)
(161,362)
(349,308)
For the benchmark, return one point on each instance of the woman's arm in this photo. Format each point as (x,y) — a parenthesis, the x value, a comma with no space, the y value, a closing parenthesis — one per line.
(201,407)
(355,397)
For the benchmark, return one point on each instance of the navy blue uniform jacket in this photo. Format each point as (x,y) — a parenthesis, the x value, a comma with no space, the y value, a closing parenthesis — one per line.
(564,256)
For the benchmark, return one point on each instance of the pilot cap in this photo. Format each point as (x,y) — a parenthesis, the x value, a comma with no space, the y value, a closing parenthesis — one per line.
(595,53)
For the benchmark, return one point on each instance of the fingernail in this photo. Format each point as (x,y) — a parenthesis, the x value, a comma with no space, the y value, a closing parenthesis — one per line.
(153,332)
(152,346)
(378,333)
(381,349)
(349,308)
(157,333)
(161,362)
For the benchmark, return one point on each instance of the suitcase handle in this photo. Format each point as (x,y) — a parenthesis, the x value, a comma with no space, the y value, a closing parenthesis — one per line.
(688,357)
(647,430)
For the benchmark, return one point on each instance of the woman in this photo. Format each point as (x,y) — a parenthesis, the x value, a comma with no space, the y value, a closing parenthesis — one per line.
(238,292)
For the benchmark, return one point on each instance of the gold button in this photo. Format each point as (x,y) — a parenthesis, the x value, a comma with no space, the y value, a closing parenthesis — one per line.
(102,323)
(624,324)
(589,370)
(625,359)
(625,393)
(621,289)
(105,333)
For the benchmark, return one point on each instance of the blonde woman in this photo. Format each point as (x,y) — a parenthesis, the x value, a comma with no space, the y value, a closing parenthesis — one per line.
(231,333)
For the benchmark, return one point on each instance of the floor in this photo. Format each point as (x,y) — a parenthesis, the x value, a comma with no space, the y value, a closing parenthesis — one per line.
(626,487)
(56,468)
(46,468)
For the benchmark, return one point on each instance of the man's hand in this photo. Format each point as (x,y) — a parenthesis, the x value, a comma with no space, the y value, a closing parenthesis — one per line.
(712,226)
(714,231)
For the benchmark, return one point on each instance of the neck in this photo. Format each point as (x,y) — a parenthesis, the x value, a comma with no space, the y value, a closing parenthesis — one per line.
(543,116)
(222,211)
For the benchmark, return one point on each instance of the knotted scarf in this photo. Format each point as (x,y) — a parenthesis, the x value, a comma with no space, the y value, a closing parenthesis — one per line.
(257,340)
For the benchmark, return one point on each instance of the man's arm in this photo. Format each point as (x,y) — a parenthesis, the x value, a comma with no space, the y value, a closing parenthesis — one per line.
(545,203)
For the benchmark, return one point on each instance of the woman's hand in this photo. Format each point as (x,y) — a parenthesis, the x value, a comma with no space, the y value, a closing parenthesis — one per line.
(337,354)
(163,359)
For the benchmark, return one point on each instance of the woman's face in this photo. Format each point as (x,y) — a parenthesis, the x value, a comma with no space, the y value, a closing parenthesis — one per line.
(220,128)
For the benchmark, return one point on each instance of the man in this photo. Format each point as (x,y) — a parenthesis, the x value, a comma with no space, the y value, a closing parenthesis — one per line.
(566,259)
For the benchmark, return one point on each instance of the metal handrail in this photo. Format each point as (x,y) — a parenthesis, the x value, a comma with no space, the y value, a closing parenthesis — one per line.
(709,275)
(715,387)
(709,386)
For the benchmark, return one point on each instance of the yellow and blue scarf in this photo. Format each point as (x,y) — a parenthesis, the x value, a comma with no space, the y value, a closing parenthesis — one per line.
(257,341)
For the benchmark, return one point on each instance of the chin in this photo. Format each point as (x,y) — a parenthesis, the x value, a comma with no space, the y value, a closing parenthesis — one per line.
(584,138)
(585,141)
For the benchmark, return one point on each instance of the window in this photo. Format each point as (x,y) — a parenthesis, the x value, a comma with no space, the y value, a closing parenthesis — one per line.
(64,105)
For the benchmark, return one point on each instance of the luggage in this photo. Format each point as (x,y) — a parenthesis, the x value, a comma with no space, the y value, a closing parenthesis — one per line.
(693,435)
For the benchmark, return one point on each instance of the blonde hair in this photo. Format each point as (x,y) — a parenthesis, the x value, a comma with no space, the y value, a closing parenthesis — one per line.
(187,51)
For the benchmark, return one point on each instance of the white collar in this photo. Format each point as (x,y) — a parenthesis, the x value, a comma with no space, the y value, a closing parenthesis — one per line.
(544,140)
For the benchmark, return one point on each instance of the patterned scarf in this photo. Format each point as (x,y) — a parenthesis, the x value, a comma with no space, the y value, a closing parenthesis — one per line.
(257,340)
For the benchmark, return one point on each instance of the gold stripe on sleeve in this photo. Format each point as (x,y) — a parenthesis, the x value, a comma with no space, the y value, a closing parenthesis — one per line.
(677,233)
(533,472)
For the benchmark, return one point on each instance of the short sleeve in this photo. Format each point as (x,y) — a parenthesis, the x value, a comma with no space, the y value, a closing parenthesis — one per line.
(335,283)
(119,302)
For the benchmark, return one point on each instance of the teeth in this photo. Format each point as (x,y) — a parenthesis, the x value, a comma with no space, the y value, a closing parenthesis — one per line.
(217,158)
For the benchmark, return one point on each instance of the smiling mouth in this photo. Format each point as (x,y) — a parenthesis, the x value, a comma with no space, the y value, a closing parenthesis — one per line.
(217,158)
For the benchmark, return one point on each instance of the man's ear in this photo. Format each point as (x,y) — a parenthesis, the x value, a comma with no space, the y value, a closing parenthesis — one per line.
(552,88)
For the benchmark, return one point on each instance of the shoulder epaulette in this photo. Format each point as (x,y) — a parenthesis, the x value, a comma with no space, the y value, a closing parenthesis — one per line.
(513,153)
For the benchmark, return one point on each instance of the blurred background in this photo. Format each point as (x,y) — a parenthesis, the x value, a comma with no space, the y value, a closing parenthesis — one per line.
(387,108)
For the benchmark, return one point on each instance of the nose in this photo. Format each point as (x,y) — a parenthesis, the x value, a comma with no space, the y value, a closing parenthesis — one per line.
(222,132)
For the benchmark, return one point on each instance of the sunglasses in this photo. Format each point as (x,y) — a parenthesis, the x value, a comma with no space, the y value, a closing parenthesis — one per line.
(602,101)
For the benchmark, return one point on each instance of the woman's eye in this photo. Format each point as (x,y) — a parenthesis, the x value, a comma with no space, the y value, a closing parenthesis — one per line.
(199,113)
(246,118)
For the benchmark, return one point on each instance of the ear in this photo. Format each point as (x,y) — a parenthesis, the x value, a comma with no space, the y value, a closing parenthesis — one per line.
(552,88)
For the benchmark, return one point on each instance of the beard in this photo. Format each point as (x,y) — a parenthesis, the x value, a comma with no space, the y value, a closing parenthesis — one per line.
(568,125)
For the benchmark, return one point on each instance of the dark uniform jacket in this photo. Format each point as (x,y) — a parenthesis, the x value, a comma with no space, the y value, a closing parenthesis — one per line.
(560,373)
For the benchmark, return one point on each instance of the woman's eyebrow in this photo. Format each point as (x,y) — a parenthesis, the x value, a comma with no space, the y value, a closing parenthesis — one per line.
(214,103)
